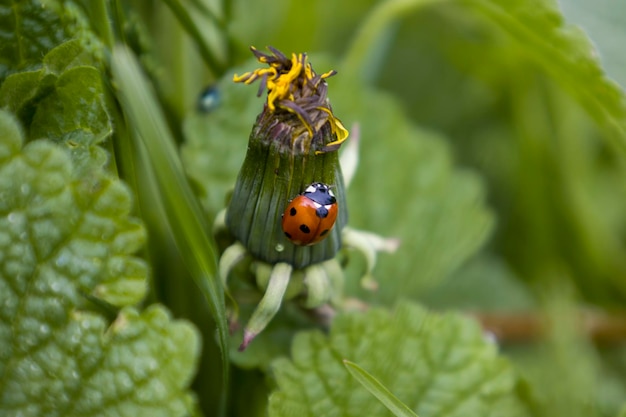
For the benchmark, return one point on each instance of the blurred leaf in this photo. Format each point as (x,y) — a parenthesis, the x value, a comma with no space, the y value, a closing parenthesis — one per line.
(63,97)
(561,389)
(604,21)
(77,104)
(407,187)
(27,31)
(566,53)
(63,101)
(68,55)
(398,408)
(484,283)
(413,353)
(64,236)
(330,25)
(556,187)
(154,147)
(505,34)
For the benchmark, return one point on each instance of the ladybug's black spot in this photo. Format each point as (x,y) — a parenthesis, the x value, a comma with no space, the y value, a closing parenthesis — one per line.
(324,232)
(304,228)
(321,212)
(293,211)
(288,235)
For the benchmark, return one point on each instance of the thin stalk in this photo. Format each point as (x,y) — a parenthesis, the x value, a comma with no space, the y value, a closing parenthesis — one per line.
(376,24)
(211,60)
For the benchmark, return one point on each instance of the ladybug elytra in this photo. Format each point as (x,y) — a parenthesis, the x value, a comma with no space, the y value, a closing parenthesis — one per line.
(310,216)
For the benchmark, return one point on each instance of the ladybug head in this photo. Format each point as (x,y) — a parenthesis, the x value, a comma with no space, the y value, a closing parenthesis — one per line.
(320,193)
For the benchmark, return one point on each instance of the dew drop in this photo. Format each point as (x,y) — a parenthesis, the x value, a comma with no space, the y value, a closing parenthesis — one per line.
(44,329)
(279,247)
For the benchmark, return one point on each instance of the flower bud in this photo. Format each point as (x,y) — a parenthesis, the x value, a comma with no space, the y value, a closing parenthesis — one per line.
(293,144)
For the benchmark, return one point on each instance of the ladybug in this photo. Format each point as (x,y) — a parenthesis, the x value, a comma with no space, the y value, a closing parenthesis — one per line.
(311,215)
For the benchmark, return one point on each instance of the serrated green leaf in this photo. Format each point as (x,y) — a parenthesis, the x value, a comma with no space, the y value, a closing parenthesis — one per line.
(140,366)
(27,32)
(67,55)
(63,235)
(77,104)
(603,20)
(437,365)
(397,407)
(20,88)
(64,100)
(73,228)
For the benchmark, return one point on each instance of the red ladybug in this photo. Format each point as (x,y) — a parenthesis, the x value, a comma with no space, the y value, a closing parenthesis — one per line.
(311,215)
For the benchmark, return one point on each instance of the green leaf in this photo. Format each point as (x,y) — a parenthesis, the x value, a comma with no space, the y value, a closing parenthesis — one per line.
(57,224)
(437,365)
(437,211)
(397,407)
(66,239)
(68,55)
(77,104)
(64,100)
(155,147)
(603,20)
(566,53)
(19,89)
(513,36)
(465,288)
(140,366)
(27,32)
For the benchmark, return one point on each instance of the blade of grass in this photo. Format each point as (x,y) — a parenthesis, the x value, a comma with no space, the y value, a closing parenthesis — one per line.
(182,209)
(364,57)
(378,390)
(188,24)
